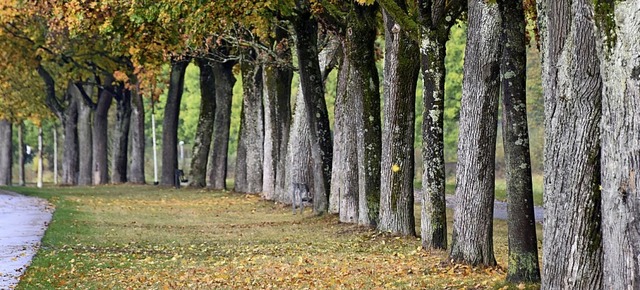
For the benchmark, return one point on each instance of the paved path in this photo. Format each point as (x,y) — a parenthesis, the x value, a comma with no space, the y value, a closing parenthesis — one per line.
(500,209)
(23,221)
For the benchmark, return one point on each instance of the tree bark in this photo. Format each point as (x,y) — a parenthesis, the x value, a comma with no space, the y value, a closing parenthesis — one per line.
(136,166)
(572,250)
(472,240)
(6,153)
(306,29)
(277,75)
(401,75)
(250,150)
(523,245)
(225,80)
(204,131)
(21,157)
(170,122)
(70,162)
(85,138)
(620,142)
(344,197)
(100,132)
(39,183)
(120,143)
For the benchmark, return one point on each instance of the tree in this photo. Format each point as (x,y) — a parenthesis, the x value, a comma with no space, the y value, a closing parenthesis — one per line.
(523,245)
(572,88)
(170,122)
(119,149)
(6,152)
(100,131)
(401,68)
(136,166)
(202,142)
(618,43)
(472,240)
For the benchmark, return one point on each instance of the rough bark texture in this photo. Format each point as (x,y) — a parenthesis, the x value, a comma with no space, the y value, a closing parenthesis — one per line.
(311,80)
(136,166)
(70,154)
(85,140)
(6,156)
(100,132)
(170,122)
(217,166)
(523,245)
(249,158)
(21,151)
(120,143)
(620,144)
(472,240)
(401,69)
(277,75)
(344,197)
(572,250)
(204,131)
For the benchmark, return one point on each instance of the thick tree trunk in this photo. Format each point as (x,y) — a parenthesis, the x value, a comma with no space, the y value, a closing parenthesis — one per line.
(217,167)
(306,29)
(620,143)
(572,250)
(472,240)
(170,122)
(344,175)
(85,140)
(100,132)
(120,143)
(70,162)
(523,245)
(21,157)
(401,69)
(204,131)
(6,153)
(250,150)
(136,166)
(277,75)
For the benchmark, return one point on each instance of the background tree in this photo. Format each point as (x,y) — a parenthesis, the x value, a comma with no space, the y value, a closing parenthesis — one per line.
(202,141)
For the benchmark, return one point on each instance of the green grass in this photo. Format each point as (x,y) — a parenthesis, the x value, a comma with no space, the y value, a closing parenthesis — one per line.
(133,237)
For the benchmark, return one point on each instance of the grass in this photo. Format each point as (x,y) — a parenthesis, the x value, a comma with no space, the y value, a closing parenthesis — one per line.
(133,237)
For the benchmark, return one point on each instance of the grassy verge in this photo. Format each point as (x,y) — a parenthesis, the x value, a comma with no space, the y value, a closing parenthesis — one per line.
(132,237)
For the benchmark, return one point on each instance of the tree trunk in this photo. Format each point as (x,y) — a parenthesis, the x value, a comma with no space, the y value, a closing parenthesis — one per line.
(344,175)
(620,142)
(472,240)
(120,145)
(225,80)
(523,245)
(136,166)
(21,157)
(70,162)
(6,153)
(85,140)
(572,250)
(306,29)
(250,150)
(202,142)
(170,122)
(100,132)
(277,75)
(401,69)
(39,183)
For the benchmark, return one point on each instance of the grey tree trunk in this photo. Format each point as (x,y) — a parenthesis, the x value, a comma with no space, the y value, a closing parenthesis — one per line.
(85,138)
(100,132)
(119,159)
(523,245)
(401,69)
(170,122)
(136,166)
(311,80)
(217,166)
(435,19)
(620,142)
(472,240)
(70,162)
(204,131)
(344,197)
(277,75)
(6,152)
(249,160)
(21,151)
(572,249)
